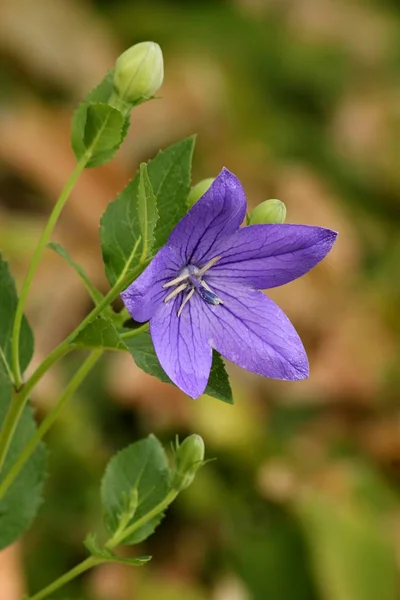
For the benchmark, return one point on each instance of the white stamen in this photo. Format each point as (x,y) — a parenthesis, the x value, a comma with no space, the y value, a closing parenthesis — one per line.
(207,287)
(175,292)
(208,266)
(190,294)
(176,280)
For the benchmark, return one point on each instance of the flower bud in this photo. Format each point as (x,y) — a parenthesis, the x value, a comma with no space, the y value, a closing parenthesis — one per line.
(270,211)
(198,190)
(189,457)
(139,72)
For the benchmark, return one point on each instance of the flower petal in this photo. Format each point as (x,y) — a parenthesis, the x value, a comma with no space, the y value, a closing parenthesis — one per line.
(181,344)
(145,294)
(265,256)
(252,331)
(218,214)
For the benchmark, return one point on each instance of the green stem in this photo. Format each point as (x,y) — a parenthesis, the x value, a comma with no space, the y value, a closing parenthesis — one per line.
(9,425)
(117,539)
(132,332)
(87,564)
(20,399)
(19,312)
(120,536)
(49,420)
(6,365)
(44,366)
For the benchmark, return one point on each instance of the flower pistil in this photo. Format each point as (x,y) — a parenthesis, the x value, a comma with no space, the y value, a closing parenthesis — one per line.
(191,278)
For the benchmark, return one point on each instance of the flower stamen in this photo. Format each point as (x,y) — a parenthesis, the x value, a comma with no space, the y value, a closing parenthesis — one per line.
(208,265)
(187,298)
(191,276)
(208,295)
(175,292)
(177,280)
(207,287)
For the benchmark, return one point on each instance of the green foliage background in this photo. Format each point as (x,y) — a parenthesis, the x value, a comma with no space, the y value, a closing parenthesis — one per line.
(300,98)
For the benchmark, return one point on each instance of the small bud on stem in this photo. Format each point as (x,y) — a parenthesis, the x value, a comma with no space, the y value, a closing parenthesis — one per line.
(270,211)
(189,457)
(198,190)
(139,73)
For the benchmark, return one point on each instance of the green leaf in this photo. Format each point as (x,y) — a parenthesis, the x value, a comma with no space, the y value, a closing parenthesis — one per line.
(86,121)
(8,305)
(170,175)
(352,553)
(121,234)
(218,385)
(101,93)
(141,470)
(95,294)
(145,531)
(103,134)
(137,561)
(91,544)
(147,211)
(141,348)
(108,556)
(100,333)
(22,500)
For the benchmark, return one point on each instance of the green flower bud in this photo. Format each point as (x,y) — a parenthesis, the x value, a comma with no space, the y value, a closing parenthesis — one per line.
(270,211)
(139,73)
(198,190)
(189,457)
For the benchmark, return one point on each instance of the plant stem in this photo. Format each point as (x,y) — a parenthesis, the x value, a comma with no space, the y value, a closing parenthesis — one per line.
(19,312)
(120,536)
(8,426)
(87,564)
(19,400)
(132,332)
(6,366)
(119,103)
(49,420)
(117,539)
(21,397)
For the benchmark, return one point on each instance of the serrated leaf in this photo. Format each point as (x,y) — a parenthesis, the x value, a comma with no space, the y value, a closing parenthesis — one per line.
(90,542)
(100,333)
(147,211)
(143,466)
(8,305)
(141,348)
(101,93)
(145,531)
(121,239)
(103,133)
(20,504)
(170,175)
(95,294)
(82,123)
(120,234)
(218,384)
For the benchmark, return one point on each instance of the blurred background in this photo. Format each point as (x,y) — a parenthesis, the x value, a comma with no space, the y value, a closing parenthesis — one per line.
(301,99)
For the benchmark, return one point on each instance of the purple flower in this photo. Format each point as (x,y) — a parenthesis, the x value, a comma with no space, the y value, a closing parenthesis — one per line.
(201,290)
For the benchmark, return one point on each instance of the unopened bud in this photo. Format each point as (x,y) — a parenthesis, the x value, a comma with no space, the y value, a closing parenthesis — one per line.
(139,73)
(198,190)
(189,457)
(270,211)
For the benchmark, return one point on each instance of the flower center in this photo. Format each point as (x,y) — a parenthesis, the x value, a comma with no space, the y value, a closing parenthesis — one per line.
(190,279)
